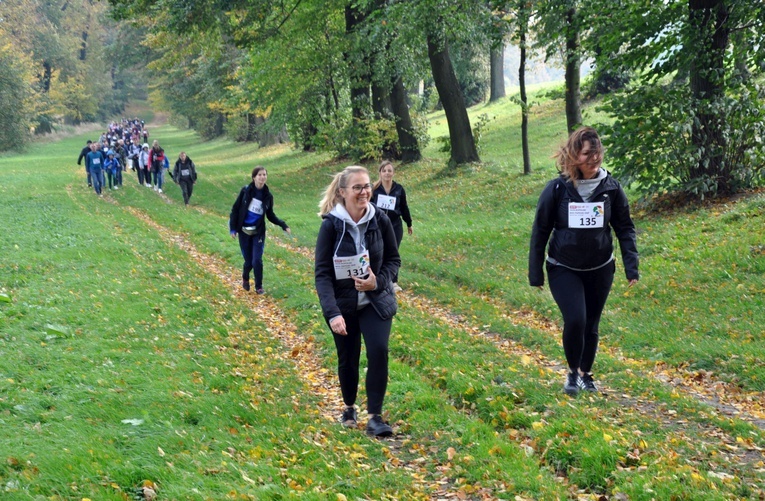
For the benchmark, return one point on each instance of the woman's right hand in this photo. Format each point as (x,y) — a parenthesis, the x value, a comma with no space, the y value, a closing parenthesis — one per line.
(233,234)
(337,325)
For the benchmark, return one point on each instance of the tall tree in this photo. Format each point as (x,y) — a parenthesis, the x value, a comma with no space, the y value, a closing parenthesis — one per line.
(523,15)
(463,147)
(560,23)
(497,72)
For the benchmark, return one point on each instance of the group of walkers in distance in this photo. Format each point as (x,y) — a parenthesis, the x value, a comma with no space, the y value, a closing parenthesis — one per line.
(124,146)
(357,259)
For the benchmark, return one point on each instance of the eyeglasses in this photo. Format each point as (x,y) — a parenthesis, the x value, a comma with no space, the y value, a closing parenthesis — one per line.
(358,188)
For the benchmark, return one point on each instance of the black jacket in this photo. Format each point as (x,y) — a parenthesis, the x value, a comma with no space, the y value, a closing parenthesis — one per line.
(401,210)
(187,165)
(581,248)
(83,154)
(239,210)
(340,297)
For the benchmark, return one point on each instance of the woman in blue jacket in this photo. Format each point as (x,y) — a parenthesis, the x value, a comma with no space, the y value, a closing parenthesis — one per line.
(248,220)
(576,213)
(355,263)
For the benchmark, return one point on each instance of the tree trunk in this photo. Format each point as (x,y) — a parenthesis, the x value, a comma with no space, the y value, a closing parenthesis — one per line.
(524,101)
(497,84)
(381,104)
(410,147)
(359,74)
(708,17)
(84,46)
(573,62)
(46,76)
(460,134)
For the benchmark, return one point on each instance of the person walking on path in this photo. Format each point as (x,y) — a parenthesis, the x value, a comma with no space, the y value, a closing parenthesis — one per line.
(185,175)
(121,154)
(144,169)
(112,167)
(390,197)
(157,163)
(248,216)
(94,162)
(356,260)
(83,153)
(576,213)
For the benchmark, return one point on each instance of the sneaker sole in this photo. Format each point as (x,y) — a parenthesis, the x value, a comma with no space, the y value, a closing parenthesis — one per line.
(380,435)
(571,392)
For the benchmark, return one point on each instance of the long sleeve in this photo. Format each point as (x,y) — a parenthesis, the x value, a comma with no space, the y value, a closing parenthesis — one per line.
(324,272)
(624,228)
(544,222)
(404,207)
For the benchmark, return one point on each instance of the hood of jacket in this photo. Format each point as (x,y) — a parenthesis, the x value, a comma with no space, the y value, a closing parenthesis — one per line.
(356,230)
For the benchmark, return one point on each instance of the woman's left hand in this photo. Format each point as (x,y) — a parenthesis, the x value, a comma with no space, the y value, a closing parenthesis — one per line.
(288,230)
(632,282)
(366,284)
(409,230)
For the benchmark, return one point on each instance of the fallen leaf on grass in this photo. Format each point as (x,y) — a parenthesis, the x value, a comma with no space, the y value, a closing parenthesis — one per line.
(134,422)
(5,298)
(56,330)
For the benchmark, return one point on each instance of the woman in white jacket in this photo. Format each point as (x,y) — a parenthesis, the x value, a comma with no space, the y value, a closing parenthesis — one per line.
(144,172)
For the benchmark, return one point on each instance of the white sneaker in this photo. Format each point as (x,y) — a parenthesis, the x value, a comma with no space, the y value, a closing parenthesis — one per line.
(159,190)
(155,188)
(116,187)
(147,185)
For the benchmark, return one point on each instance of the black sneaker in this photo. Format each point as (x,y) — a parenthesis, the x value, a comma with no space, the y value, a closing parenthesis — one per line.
(245,284)
(586,383)
(571,386)
(349,417)
(376,427)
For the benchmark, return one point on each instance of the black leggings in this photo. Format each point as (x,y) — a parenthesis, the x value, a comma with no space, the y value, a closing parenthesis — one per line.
(376,332)
(581,297)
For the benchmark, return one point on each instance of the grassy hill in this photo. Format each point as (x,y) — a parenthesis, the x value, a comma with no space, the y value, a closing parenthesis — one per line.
(132,359)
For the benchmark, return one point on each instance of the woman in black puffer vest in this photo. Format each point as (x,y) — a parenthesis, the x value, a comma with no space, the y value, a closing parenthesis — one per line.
(356,261)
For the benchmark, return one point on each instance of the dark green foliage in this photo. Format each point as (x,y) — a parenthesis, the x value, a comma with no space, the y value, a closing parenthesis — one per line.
(691,119)
(14,119)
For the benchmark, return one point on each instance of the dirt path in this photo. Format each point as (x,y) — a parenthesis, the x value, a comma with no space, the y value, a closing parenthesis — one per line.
(303,352)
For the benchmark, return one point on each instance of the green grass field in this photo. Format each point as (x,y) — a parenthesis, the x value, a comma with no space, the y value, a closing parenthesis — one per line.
(131,357)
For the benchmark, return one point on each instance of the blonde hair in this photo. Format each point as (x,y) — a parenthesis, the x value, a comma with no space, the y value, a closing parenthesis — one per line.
(379,172)
(567,157)
(331,195)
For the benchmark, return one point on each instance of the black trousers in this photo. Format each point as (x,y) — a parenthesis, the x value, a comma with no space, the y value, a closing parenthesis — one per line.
(581,297)
(376,333)
(187,187)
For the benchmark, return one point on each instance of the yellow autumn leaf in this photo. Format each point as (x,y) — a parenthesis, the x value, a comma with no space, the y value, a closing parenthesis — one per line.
(242,320)
(450,453)
(537,425)
(526,360)
(341,497)
(607,437)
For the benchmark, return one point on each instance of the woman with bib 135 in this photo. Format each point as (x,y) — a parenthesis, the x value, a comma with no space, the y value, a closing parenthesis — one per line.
(576,213)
